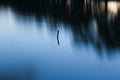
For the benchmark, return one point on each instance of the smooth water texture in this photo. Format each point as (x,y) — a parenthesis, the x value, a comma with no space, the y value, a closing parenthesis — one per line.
(60,41)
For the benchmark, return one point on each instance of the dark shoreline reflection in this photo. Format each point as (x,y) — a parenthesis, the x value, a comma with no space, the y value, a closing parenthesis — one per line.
(92,21)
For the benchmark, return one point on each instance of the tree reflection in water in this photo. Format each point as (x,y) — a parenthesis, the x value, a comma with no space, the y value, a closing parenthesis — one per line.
(92,21)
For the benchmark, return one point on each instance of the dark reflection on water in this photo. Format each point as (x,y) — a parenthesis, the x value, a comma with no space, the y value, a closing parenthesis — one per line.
(86,30)
(93,21)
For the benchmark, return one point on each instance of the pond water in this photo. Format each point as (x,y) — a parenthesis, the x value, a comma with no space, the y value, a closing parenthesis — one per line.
(60,41)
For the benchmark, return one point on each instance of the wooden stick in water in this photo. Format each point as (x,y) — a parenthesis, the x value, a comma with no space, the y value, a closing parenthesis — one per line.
(58,37)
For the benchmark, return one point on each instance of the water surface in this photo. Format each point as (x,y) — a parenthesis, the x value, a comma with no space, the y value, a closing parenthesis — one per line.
(63,40)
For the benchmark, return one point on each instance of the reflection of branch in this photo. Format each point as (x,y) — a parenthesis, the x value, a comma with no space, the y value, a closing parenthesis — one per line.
(58,37)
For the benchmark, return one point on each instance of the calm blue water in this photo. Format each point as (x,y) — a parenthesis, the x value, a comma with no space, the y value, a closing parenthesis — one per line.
(29,48)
